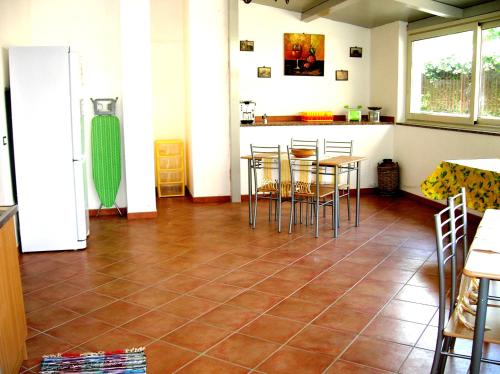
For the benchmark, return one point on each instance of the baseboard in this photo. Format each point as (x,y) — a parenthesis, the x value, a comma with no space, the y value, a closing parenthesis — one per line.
(207,199)
(107,212)
(435,204)
(142,215)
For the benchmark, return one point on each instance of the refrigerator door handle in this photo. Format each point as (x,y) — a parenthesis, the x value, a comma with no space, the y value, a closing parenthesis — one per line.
(4,140)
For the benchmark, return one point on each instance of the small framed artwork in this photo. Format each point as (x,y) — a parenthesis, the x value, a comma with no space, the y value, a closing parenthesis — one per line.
(355,52)
(246,45)
(264,72)
(341,75)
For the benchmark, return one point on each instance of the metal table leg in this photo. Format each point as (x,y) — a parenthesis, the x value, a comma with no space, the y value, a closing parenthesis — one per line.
(250,219)
(358,188)
(477,345)
(336,202)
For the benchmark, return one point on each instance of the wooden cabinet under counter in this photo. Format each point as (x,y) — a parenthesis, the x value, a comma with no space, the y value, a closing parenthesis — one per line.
(13,330)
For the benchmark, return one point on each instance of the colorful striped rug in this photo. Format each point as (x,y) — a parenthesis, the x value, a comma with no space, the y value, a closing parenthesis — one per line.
(128,361)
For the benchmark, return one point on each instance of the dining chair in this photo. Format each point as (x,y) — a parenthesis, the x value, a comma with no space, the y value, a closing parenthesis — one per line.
(451,231)
(267,173)
(342,148)
(305,187)
(458,206)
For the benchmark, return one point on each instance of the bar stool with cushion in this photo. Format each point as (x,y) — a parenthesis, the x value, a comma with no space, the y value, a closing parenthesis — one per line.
(451,231)
(267,173)
(305,187)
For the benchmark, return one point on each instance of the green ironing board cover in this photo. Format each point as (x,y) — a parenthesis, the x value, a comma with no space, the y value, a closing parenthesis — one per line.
(106,157)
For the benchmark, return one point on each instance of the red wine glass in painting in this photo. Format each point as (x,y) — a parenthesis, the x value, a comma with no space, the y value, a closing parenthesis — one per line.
(297,53)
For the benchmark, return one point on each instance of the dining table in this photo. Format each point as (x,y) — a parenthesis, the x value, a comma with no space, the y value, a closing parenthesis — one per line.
(333,166)
(480,177)
(483,263)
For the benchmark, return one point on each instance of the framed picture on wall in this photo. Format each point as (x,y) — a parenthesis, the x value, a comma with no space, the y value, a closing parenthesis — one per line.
(355,52)
(341,75)
(304,54)
(264,72)
(246,45)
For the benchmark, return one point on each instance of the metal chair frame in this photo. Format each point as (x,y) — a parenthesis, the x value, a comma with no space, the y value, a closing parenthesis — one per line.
(304,144)
(451,229)
(274,154)
(342,148)
(312,199)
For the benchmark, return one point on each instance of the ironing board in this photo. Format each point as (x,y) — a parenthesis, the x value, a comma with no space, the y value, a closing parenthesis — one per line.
(106,157)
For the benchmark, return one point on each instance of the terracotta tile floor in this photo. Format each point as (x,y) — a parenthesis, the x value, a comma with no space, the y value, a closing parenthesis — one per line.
(207,294)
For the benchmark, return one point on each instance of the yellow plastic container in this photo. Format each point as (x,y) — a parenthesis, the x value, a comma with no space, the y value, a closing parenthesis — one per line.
(316,116)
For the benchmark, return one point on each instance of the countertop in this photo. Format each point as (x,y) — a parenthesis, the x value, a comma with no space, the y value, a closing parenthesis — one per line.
(6,212)
(325,123)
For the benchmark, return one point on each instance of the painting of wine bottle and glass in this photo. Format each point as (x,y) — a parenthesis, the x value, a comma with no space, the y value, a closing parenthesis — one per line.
(304,54)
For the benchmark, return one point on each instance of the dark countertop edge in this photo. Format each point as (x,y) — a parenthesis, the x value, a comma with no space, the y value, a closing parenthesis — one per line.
(335,123)
(7,214)
(472,130)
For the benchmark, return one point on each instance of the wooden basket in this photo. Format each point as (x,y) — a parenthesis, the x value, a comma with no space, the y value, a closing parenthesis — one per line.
(388,178)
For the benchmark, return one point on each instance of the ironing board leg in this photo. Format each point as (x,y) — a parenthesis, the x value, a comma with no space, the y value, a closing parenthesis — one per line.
(118,209)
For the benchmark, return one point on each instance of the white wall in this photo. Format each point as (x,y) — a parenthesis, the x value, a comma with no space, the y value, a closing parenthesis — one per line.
(374,142)
(137,108)
(285,95)
(14,29)
(92,28)
(208,97)
(168,65)
(388,62)
(420,150)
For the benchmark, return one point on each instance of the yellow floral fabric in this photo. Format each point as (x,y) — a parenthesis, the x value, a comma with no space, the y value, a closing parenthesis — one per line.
(482,186)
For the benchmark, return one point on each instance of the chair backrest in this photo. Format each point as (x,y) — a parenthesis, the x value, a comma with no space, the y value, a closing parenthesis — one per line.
(304,144)
(458,213)
(338,147)
(446,253)
(451,229)
(268,160)
(303,171)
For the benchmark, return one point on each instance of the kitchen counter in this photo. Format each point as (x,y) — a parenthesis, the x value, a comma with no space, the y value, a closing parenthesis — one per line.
(6,212)
(12,314)
(325,123)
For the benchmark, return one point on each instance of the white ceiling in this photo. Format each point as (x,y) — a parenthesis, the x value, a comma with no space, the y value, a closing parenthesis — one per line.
(373,13)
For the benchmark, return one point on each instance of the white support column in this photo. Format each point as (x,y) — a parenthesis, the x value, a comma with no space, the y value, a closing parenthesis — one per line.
(137,105)
(208,97)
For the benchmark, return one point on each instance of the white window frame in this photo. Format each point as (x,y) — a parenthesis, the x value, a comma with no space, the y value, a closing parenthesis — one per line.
(483,121)
(476,25)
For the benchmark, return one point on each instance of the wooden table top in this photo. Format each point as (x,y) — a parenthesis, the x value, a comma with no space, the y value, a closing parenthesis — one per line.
(326,161)
(484,254)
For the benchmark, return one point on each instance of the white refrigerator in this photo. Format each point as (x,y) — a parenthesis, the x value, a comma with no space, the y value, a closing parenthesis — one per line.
(47,140)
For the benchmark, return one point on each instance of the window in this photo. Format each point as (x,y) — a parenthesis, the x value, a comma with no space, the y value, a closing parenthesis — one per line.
(490,74)
(454,75)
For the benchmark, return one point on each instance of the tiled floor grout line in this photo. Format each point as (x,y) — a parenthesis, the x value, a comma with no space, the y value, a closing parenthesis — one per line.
(379,312)
(180,295)
(45,332)
(289,296)
(334,302)
(230,270)
(264,279)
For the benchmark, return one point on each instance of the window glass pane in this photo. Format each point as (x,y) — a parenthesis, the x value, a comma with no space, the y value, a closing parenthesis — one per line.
(441,75)
(490,73)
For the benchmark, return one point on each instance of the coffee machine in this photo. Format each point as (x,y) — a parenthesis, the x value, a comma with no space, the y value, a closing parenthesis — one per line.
(247,112)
